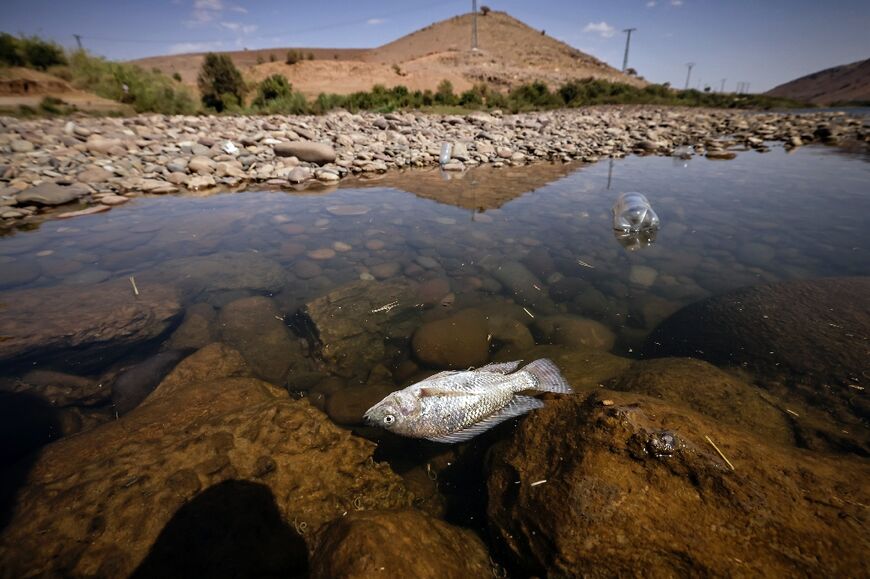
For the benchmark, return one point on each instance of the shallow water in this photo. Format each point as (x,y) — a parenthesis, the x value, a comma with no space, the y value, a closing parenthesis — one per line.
(725,224)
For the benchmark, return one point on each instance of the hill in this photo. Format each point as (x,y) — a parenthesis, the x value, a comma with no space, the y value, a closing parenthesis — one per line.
(510,53)
(840,84)
(28,87)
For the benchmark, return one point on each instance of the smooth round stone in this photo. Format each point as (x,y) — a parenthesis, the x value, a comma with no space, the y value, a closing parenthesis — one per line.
(341,246)
(280,218)
(385,270)
(445,220)
(113,200)
(321,223)
(88,277)
(642,275)
(426,261)
(18,273)
(45,253)
(375,244)
(366,276)
(307,269)
(322,253)
(346,210)
(431,291)
(292,228)
(482,218)
(292,249)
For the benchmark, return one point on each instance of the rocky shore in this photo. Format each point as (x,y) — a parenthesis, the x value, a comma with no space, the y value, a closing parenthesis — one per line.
(89,165)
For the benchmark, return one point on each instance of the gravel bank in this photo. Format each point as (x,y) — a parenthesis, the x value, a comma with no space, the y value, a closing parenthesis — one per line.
(89,165)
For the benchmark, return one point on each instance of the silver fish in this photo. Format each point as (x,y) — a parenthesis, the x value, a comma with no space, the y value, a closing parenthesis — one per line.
(454,406)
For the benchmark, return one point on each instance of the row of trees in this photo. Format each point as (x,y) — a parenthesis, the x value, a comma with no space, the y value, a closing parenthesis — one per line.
(31,52)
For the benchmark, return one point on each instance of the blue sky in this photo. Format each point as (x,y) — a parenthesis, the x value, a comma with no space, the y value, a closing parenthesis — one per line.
(763,42)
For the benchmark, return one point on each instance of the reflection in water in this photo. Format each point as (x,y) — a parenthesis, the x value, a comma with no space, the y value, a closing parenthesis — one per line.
(634,240)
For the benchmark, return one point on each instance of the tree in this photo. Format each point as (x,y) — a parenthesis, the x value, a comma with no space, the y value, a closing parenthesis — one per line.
(10,50)
(220,82)
(272,88)
(484,10)
(444,95)
(41,54)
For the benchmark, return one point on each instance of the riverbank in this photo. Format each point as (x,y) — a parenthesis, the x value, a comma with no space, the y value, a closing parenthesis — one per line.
(88,165)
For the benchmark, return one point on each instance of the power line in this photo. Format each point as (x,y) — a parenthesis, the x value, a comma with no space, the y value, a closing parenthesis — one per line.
(628,31)
(268,34)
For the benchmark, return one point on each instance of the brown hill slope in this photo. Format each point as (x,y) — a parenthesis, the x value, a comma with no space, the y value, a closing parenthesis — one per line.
(24,86)
(845,83)
(510,53)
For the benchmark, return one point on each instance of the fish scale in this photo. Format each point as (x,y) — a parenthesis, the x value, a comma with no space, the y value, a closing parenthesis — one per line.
(455,406)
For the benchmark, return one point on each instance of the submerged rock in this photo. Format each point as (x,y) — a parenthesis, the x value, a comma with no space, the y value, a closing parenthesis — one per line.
(583,368)
(458,342)
(75,325)
(348,326)
(198,329)
(61,389)
(618,482)
(227,271)
(810,333)
(254,327)
(398,543)
(97,503)
(136,382)
(575,332)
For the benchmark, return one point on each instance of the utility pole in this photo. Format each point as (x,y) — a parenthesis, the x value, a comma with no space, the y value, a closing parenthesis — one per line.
(473,24)
(746,88)
(78,38)
(689,74)
(628,31)
(722,89)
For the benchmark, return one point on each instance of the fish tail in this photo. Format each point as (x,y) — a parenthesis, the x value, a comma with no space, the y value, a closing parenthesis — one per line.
(547,377)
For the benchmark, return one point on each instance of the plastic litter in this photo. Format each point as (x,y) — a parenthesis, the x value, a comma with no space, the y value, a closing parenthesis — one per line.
(229,148)
(446,153)
(632,213)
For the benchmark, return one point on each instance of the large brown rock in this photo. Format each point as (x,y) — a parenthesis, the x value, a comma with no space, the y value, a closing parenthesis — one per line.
(584,369)
(710,391)
(809,334)
(398,543)
(458,342)
(575,332)
(96,504)
(74,325)
(310,151)
(221,272)
(51,194)
(633,484)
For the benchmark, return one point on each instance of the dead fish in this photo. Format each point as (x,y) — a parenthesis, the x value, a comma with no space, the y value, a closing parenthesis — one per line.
(455,406)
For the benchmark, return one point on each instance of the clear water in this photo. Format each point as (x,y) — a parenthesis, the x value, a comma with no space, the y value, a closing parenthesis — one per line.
(725,224)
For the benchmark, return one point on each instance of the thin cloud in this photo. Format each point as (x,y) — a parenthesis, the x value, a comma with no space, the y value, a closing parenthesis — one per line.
(184,47)
(239,27)
(602,29)
(676,2)
(374,21)
(651,4)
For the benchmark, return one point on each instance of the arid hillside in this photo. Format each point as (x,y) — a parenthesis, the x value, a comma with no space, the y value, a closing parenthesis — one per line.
(840,84)
(509,53)
(24,86)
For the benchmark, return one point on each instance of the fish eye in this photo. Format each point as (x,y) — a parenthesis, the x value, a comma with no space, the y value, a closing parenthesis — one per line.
(389,419)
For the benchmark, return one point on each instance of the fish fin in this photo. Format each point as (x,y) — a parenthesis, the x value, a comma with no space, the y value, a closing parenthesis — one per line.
(548,377)
(518,406)
(443,374)
(426,392)
(502,368)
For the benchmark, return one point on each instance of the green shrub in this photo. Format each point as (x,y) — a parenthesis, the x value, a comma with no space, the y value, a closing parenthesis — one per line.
(10,50)
(147,91)
(293,57)
(41,54)
(272,88)
(176,76)
(444,95)
(534,95)
(220,82)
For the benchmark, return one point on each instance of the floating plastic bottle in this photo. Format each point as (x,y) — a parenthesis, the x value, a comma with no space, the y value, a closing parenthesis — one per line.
(634,240)
(632,213)
(446,153)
